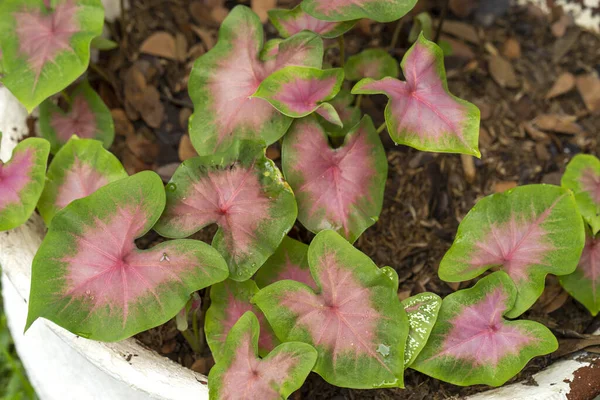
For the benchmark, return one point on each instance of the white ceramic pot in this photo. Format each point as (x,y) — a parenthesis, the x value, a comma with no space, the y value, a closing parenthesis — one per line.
(62,366)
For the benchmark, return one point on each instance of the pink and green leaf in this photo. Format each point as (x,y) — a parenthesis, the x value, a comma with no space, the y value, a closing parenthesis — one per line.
(371,63)
(582,176)
(89,277)
(421,112)
(241,374)
(242,192)
(339,189)
(348,10)
(349,114)
(229,301)
(290,22)
(472,344)
(224,79)
(81,167)
(290,261)
(45,47)
(22,181)
(354,320)
(422,311)
(300,91)
(528,232)
(584,283)
(87,117)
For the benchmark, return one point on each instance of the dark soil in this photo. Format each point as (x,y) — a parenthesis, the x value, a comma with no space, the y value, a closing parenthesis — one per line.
(426,194)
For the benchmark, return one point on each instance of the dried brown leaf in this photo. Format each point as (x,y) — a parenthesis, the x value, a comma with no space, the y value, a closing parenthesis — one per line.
(589,89)
(564,83)
(558,123)
(160,44)
(503,72)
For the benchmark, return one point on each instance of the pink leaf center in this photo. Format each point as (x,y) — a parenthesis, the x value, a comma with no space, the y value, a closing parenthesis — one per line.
(42,37)
(341,317)
(293,272)
(80,121)
(14,176)
(329,7)
(302,96)
(235,309)
(517,244)
(590,262)
(249,377)
(334,179)
(80,181)
(307,22)
(590,182)
(479,334)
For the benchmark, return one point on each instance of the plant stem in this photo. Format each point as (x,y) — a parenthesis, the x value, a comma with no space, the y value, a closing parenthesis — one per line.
(342,45)
(192,340)
(358,101)
(396,34)
(438,32)
(66,96)
(381,128)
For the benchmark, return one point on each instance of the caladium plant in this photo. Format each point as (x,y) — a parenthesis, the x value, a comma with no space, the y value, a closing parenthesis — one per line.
(88,118)
(46,45)
(582,176)
(22,182)
(90,278)
(300,91)
(242,192)
(223,81)
(290,22)
(348,10)
(241,374)
(422,113)
(348,111)
(80,168)
(229,301)
(528,232)
(341,188)
(371,63)
(354,319)
(422,311)
(472,344)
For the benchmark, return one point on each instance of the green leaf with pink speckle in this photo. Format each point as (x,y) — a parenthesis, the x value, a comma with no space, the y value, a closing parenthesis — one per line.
(224,79)
(87,117)
(582,176)
(342,188)
(81,167)
(300,91)
(290,261)
(349,114)
(584,283)
(46,45)
(290,22)
(229,301)
(371,63)
(347,10)
(422,113)
(241,374)
(472,344)
(89,277)
(422,311)
(22,182)
(528,232)
(244,193)
(354,319)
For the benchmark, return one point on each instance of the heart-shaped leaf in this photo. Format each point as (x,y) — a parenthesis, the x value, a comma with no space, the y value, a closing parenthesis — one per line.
(347,10)
(584,283)
(224,79)
(240,374)
(529,231)
(422,113)
(290,22)
(88,118)
(229,301)
(582,176)
(371,63)
(80,168)
(422,311)
(290,261)
(46,45)
(90,278)
(355,320)
(349,114)
(22,182)
(300,91)
(339,189)
(472,344)
(244,193)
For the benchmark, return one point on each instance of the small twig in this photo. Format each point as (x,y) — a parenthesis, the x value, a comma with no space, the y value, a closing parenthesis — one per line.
(342,45)
(381,128)
(396,34)
(438,32)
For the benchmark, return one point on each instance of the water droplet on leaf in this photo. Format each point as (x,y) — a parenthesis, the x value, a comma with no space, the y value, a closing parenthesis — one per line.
(171,187)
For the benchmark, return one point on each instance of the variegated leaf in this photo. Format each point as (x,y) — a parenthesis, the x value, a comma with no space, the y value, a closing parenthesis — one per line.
(582,176)
(347,10)
(422,311)
(371,63)
(290,22)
